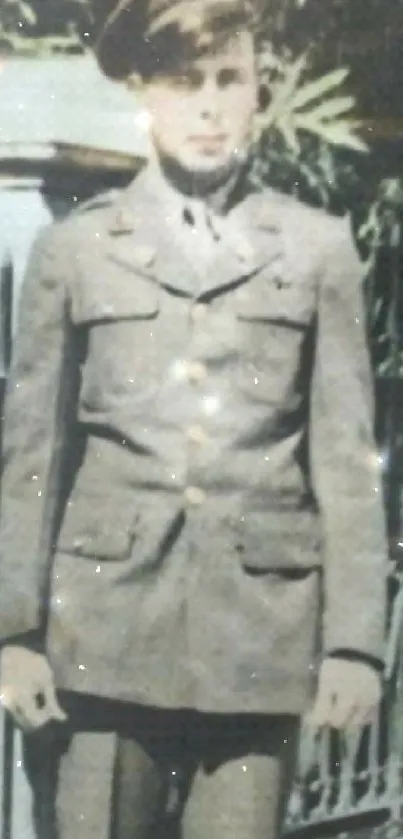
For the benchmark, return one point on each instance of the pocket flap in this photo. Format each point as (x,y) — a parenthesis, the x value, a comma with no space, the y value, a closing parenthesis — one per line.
(117,295)
(272,296)
(284,540)
(95,527)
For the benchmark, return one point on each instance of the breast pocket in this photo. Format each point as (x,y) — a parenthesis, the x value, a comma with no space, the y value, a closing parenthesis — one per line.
(273,317)
(123,359)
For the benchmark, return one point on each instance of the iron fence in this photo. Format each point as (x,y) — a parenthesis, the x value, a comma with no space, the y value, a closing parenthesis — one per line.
(342,776)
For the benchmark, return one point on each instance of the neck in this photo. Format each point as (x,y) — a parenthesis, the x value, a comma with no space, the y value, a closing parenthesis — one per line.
(216,188)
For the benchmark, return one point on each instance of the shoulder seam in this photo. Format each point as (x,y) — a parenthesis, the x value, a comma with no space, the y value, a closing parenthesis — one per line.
(103,199)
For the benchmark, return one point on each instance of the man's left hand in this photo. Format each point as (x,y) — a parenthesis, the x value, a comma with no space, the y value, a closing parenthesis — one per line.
(348,694)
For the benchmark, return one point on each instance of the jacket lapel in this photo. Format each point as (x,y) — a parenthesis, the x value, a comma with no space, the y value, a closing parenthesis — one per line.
(140,240)
(252,240)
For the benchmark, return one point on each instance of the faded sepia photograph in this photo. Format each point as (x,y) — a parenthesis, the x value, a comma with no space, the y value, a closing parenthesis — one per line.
(201,320)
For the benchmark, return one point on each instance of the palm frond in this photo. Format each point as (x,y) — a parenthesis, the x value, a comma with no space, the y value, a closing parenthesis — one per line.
(282,92)
(337,132)
(334,106)
(316,89)
(317,106)
(28,14)
(289,132)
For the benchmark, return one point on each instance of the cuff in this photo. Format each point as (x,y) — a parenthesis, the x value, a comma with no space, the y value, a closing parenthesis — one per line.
(354,655)
(31,640)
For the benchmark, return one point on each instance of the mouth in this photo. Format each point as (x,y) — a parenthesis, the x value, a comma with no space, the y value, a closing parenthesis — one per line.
(208,141)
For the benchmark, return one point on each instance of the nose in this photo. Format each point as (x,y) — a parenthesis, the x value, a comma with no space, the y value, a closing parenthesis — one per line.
(210,100)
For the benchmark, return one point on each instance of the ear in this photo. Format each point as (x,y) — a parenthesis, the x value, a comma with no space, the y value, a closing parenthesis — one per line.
(134,82)
(142,93)
(263,97)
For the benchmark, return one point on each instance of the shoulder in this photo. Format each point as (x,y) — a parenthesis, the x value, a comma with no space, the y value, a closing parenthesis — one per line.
(306,220)
(77,229)
(313,236)
(57,246)
(316,244)
(96,204)
(91,214)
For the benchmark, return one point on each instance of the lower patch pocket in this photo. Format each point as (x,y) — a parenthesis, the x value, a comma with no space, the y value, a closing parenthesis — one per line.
(285,541)
(98,528)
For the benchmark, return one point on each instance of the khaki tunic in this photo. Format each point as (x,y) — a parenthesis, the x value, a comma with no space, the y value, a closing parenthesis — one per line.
(191,494)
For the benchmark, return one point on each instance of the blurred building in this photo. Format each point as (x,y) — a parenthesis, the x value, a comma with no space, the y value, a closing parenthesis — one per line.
(65,133)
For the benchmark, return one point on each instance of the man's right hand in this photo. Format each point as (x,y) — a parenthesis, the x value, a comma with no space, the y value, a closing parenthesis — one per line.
(27,688)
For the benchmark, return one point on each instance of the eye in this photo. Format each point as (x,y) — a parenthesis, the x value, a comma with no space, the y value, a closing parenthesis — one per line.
(228,76)
(187,80)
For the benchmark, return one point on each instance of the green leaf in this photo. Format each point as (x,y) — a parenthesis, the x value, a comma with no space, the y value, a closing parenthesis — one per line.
(337,133)
(271,113)
(28,14)
(284,90)
(333,107)
(290,135)
(314,90)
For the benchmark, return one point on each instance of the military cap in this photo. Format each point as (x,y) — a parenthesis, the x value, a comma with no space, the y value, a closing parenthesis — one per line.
(134,33)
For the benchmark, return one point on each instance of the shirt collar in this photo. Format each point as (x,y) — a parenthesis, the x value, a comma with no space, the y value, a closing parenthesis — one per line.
(175,202)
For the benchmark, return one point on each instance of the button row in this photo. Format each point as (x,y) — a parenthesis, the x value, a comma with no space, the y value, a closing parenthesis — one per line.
(196,371)
(194,496)
(197,434)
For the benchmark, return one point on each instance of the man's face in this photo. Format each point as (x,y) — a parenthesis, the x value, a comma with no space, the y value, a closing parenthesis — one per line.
(201,115)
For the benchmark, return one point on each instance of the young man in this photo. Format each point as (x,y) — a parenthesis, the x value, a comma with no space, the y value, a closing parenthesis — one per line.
(192,529)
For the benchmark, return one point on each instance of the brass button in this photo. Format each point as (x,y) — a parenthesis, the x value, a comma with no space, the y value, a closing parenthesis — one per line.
(196,371)
(143,255)
(198,312)
(244,251)
(197,434)
(194,496)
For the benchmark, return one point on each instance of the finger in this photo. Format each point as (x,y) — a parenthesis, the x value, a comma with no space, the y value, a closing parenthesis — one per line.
(51,703)
(353,721)
(364,715)
(32,713)
(320,714)
(342,712)
(18,718)
(13,707)
(23,718)
(7,698)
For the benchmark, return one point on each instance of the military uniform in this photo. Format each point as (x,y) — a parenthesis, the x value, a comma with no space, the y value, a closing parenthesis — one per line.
(192,522)
(191,498)
(164,470)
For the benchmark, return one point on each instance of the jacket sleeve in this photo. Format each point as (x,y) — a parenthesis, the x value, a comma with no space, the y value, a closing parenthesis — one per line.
(36,407)
(344,462)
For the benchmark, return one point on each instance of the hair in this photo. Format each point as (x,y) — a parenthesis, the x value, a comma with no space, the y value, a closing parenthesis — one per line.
(185,31)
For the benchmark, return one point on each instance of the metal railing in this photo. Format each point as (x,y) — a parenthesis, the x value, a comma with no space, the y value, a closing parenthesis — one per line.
(342,776)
